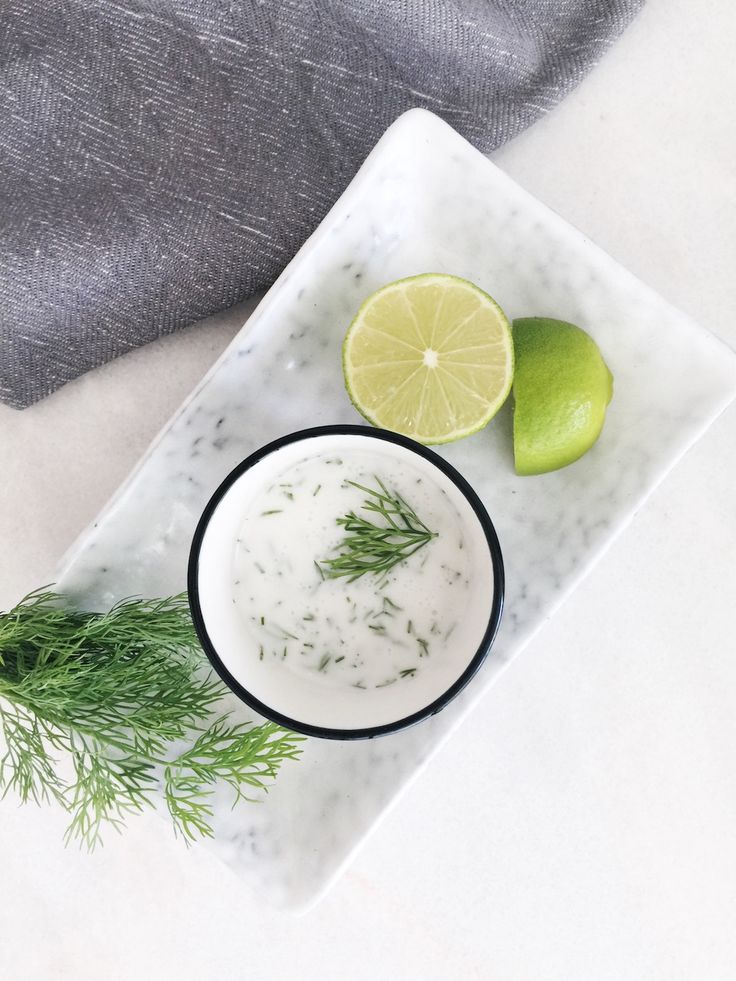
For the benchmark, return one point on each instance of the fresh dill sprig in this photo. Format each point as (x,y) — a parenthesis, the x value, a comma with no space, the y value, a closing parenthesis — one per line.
(242,757)
(120,694)
(377,548)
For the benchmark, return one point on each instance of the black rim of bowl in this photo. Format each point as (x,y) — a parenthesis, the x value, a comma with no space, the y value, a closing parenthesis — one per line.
(322,731)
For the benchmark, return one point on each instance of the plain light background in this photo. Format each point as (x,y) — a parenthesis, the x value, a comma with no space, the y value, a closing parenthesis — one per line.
(581,826)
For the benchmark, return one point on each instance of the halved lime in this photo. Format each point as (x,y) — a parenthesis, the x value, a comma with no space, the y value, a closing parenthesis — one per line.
(430,357)
(562,387)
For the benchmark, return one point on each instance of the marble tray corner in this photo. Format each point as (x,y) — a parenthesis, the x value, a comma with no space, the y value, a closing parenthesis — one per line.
(424,200)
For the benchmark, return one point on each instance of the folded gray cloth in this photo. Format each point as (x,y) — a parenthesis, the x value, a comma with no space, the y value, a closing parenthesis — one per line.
(163,159)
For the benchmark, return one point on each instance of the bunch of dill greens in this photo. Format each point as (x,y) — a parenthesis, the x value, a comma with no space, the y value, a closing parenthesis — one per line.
(124,698)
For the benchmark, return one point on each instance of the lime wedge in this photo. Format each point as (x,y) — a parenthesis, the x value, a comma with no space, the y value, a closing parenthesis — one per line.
(562,386)
(430,357)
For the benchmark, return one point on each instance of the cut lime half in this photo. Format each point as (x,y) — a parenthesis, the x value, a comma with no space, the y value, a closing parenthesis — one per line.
(430,357)
(562,388)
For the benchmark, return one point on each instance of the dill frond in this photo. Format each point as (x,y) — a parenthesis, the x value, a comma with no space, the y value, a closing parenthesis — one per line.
(118,693)
(377,548)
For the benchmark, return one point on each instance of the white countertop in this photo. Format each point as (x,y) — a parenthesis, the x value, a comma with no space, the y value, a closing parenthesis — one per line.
(581,823)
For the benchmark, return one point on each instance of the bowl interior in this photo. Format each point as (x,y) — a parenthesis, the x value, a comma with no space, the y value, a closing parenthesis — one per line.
(312,700)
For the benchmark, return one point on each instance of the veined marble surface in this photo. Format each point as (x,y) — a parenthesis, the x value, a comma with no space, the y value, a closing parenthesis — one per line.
(424,201)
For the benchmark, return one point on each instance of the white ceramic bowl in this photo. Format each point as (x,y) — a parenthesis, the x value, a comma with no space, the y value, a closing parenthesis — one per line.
(302,702)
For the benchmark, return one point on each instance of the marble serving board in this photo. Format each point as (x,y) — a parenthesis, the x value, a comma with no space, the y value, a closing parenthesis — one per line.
(424,200)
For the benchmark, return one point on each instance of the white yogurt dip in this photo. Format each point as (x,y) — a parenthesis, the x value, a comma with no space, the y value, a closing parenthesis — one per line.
(330,652)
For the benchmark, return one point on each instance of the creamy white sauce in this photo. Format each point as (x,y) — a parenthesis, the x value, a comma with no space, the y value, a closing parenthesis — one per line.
(372,633)
(254,565)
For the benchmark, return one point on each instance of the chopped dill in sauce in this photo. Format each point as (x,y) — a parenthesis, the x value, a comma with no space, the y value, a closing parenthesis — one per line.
(353,570)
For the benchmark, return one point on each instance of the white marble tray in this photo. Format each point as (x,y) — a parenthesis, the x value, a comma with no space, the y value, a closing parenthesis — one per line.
(424,200)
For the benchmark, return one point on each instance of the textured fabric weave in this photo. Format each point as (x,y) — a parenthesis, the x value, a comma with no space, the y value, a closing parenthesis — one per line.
(163,159)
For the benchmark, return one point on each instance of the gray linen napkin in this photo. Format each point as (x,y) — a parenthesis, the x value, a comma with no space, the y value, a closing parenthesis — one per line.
(163,159)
